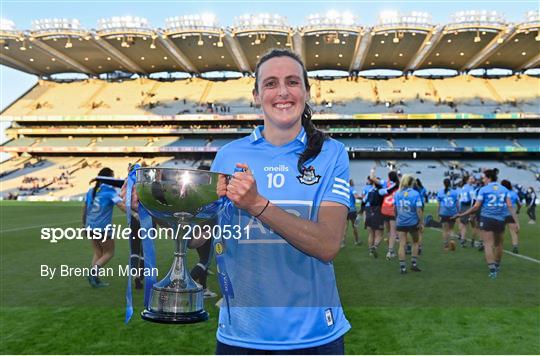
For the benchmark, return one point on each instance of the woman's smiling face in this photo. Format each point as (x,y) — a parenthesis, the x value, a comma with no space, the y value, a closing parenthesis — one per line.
(281,92)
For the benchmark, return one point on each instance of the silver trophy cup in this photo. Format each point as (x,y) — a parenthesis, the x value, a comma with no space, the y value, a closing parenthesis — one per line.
(177,197)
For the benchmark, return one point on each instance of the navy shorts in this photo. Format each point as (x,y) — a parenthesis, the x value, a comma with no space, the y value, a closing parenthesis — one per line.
(489,224)
(336,347)
(374,218)
(447,219)
(509,220)
(465,219)
(352,215)
(411,228)
(389,218)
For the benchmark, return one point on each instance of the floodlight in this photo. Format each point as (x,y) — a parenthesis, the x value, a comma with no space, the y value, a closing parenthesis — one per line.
(7,25)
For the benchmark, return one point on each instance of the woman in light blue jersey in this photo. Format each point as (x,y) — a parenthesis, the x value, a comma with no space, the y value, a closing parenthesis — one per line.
(409,220)
(448,203)
(512,227)
(97,215)
(290,185)
(466,197)
(494,204)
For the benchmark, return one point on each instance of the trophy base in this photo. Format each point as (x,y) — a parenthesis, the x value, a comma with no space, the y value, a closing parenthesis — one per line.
(175,318)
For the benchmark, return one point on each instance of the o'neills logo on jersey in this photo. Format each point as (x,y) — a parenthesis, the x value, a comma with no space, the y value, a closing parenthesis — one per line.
(280,168)
(309,177)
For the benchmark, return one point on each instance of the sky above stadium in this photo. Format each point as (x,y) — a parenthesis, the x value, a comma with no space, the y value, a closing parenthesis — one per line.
(14,83)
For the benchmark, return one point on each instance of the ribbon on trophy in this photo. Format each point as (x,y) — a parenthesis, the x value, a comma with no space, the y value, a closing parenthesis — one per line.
(147,245)
(225,284)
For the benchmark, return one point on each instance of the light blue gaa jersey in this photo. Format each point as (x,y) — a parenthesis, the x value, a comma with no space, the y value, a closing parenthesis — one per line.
(352,200)
(406,202)
(448,202)
(423,193)
(99,213)
(283,298)
(514,198)
(493,198)
(466,194)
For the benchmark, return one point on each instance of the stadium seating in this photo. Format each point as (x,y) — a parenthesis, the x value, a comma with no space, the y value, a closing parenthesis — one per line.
(423,142)
(341,95)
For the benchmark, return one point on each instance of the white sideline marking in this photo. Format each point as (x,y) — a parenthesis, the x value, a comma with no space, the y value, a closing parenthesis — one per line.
(44,225)
(522,256)
(505,251)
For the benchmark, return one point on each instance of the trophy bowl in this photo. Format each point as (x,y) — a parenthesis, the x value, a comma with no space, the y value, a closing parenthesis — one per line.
(176,197)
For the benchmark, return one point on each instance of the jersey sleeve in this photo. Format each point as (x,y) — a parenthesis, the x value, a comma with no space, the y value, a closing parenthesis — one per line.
(338,189)
(419,202)
(480,195)
(217,163)
(114,196)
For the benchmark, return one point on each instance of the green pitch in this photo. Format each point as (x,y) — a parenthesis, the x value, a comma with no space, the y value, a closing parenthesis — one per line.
(450,307)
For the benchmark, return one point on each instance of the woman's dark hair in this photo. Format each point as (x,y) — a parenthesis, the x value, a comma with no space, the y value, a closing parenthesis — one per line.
(393,176)
(506,183)
(315,137)
(491,174)
(419,183)
(465,179)
(104,172)
(447,184)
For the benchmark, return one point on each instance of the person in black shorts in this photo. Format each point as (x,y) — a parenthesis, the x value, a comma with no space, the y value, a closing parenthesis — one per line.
(374,218)
(509,220)
(409,220)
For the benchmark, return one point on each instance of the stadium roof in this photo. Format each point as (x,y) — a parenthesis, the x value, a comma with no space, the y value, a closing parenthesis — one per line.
(197,45)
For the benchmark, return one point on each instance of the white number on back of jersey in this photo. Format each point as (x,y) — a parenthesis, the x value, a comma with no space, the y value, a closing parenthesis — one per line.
(275,180)
(405,206)
(494,200)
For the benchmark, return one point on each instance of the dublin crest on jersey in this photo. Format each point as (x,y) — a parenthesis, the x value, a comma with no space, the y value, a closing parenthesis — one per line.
(308,176)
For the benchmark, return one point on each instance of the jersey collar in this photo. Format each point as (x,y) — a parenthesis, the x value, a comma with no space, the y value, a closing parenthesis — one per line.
(256,135)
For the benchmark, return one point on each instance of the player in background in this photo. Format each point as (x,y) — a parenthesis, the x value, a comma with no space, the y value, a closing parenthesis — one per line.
(509,220)
(530,199)
(374,217)
(388,213)
(448,207)
(409,220)
(352,216)
(466,197)
(97,214)
(424,198)
(475,218)
(493,202)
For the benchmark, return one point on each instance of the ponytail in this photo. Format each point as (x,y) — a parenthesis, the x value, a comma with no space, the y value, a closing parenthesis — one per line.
(104,172)
(315,139)
(446,185)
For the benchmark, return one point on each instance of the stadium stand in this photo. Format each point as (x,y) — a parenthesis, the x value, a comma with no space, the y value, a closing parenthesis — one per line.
(63,131)
(420,142)
(62,142)
(463,94)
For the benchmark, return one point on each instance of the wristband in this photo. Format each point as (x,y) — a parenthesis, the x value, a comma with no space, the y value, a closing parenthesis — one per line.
(266,206)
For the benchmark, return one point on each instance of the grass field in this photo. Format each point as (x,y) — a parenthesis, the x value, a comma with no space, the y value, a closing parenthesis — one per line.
(450,307)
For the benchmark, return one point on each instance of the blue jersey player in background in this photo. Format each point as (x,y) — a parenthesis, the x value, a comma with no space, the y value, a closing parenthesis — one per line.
(290,186)
(408,204)
(97,215)
(509,220)
(466,198)
(352,216)
(448,201)
(494,202)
